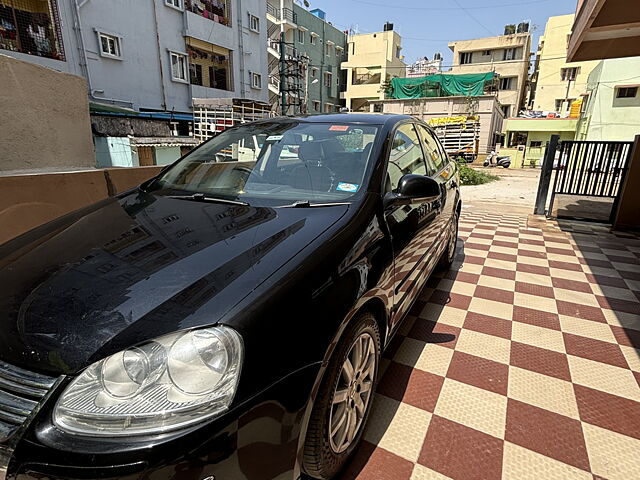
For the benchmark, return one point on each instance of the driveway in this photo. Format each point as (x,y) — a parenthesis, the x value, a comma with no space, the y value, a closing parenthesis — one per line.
(521,362)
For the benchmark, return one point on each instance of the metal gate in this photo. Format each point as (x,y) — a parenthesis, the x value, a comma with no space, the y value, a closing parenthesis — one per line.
(593,169)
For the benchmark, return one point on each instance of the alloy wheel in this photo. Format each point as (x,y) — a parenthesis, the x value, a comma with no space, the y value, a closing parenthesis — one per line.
(353,393)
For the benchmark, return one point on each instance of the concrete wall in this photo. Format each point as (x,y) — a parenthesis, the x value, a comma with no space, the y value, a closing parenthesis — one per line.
(517,68)
(427,108)
(605,116)
(552,52)
(45,118)
(27,201)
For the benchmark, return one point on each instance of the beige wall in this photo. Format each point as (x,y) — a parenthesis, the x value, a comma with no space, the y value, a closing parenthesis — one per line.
(376,52)
(45,118)
(481,63)
(425,109)
(27,201)
(552,56)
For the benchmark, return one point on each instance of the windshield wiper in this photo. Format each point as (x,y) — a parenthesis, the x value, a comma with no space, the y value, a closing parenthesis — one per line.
(201,197)
(308,204)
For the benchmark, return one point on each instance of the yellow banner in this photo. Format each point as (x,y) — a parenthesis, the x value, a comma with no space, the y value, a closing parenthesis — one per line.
(440,121)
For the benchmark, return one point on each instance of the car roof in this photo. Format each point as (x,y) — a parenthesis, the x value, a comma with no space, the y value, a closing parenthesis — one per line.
(356,118)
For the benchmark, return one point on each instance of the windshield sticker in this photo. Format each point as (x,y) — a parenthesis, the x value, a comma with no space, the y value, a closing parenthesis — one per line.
(347,187)
(274,138)
(339,128)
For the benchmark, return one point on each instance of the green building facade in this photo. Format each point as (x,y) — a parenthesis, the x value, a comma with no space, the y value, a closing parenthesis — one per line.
(325,47)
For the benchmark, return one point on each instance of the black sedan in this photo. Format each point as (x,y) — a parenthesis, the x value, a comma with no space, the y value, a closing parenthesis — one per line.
(224,320)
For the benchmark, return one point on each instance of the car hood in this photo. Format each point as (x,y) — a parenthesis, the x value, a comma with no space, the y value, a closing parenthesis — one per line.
(133,268)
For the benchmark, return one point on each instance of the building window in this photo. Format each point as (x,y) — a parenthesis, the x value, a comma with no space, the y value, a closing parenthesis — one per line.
(535,143)
(626,92)
(398,50)
(256,80)
(506,110)
(301,36)
(328,107)
(254,23)
(486,53)
(32,28)
(109,46)
(215,64)
(465,57)
(327,49)
(178,67)
(507,83)
(174,3)
(339,51)
(559,103)
(569,74)
(328,79)
(215,10)
(353,48)
(313,39)
(509,54)
(316,106)
(314,72)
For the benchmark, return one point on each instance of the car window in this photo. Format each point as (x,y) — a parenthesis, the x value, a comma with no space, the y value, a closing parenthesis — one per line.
(275,163)
(432,150)
(406,156)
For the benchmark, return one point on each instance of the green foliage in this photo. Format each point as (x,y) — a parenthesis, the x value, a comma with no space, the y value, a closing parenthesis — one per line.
(469,176)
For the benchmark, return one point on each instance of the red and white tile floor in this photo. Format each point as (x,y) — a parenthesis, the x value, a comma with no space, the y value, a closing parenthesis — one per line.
(523,361)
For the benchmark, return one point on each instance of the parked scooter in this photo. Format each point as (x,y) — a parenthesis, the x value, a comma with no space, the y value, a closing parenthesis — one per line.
(503,162)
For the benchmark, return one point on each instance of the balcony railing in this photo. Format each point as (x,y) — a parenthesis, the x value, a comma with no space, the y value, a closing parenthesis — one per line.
(287,13)
(366,79)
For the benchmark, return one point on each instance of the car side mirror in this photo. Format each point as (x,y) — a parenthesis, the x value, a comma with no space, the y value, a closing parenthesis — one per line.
(414,189)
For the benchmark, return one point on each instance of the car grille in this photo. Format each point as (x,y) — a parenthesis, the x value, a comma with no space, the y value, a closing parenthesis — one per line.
(20,393)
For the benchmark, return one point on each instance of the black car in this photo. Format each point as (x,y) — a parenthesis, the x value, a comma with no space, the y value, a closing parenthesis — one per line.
(224,320)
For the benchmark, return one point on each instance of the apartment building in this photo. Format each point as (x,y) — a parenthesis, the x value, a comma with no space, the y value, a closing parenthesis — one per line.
(423,66)
(144,62)
(323,48)
(556,83)
(373,60)
(507,55)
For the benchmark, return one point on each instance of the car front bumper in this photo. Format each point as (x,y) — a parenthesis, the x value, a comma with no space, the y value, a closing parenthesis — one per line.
(258,440)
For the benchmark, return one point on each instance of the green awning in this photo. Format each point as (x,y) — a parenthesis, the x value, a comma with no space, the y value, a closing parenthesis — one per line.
(440,85)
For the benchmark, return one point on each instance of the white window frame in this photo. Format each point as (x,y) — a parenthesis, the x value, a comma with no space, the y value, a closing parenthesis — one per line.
(327,49)
(301,37)
(318,107)
(253,19)
(185,66)
(569,74)
(314,37)
(508,80)
(256,80)
(314,72)
(468,56)
(117,43)
(177,4)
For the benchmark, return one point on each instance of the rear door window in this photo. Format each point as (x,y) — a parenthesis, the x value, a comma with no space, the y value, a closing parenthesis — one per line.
(432,150)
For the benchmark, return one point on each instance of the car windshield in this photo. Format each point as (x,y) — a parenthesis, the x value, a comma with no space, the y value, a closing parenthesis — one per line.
(279,162)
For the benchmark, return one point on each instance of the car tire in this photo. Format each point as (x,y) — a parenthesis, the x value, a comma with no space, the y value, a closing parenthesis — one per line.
(449,254)
(325,454)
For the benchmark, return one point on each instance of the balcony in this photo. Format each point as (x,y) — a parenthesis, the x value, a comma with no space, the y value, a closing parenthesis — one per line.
(285,15)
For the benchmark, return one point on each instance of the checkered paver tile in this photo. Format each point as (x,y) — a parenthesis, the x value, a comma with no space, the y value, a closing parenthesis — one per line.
(522,361)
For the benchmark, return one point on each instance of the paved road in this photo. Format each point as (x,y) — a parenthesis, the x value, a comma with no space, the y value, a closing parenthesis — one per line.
(515,191)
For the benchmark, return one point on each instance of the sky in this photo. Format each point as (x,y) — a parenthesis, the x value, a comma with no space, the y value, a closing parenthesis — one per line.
(426,26)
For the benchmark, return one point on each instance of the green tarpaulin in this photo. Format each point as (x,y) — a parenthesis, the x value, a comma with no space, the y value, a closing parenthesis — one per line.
(440,85)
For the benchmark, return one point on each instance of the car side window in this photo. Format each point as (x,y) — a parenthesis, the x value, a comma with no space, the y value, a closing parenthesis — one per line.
(432,150)
(406,156)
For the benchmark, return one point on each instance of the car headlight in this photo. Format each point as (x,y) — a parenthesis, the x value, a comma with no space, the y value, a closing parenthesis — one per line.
(168,383)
